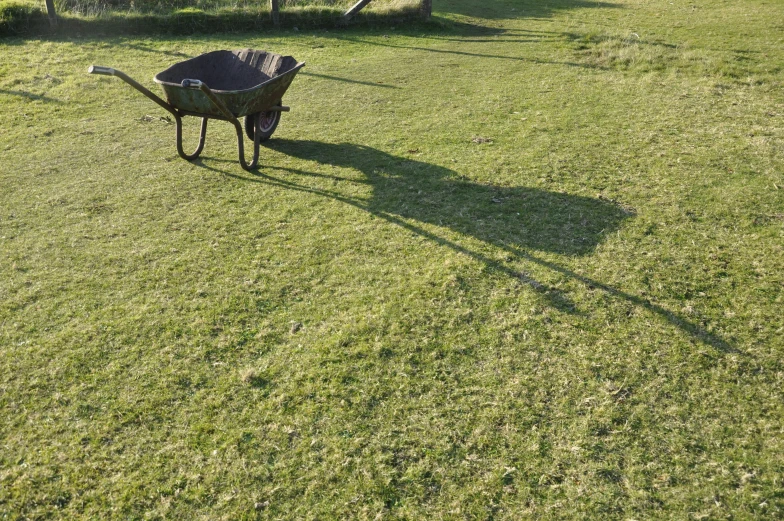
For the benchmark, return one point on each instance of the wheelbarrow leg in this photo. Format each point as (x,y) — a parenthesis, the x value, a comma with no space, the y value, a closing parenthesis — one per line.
(197,84)
(241,144)
(180,151)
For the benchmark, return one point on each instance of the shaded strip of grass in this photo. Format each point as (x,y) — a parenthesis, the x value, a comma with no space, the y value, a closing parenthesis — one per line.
(32,21)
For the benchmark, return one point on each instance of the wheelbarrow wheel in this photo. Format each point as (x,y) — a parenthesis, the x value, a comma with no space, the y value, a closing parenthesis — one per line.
(266,122)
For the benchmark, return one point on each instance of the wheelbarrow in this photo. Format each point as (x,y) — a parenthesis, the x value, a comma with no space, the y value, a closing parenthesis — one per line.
(225,85)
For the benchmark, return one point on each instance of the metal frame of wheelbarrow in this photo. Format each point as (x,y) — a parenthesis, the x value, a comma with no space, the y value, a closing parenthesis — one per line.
(226,114)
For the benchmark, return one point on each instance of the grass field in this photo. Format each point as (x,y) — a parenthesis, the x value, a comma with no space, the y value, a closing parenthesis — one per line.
(523,262)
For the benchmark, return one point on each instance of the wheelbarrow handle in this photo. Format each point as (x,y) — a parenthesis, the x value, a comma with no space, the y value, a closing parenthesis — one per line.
(108,71)
(99,69)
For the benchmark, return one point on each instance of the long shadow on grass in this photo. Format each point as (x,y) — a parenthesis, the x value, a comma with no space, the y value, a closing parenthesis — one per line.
(580,42)
(469,54)
(349,80)
(147,48)
(511,9)
(30,96)
(523,217)
(521,221)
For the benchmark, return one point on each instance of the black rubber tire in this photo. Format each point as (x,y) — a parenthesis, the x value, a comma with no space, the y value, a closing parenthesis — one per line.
(268,123)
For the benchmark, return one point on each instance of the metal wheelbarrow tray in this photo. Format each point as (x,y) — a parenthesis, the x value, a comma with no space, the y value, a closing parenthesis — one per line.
(223,85)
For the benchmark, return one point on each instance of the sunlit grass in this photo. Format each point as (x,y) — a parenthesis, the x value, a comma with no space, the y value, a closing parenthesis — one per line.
(522,262)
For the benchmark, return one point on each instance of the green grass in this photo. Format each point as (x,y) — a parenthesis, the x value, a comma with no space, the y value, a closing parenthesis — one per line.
(92,7)
(525,262)
(20,17)
(174,17)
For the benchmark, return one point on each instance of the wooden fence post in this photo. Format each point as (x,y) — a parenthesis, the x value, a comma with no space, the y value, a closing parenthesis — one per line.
(355,9)
(426,8)
(51,13)
(275,12)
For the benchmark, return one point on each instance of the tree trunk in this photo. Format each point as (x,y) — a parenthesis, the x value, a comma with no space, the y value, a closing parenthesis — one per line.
(275,12)
(426,8)
(355,9)
(51,13)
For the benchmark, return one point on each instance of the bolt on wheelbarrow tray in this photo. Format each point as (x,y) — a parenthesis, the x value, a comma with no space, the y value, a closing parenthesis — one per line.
(224,85)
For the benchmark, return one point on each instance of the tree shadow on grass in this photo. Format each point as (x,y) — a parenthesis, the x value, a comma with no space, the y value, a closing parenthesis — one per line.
(348,80)
(511,9)
(232,24)
(147,48)
(29,96)
(473,41)
(425,199)
(470,54)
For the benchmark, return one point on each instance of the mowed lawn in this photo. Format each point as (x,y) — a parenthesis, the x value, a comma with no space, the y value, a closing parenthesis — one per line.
(523,262)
